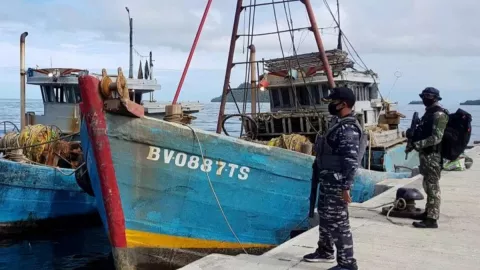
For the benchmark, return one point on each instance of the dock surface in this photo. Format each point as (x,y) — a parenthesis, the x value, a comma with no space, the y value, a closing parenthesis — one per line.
(381,244)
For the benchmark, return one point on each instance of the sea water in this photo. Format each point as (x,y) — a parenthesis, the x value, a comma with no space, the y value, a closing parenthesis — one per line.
(89,248)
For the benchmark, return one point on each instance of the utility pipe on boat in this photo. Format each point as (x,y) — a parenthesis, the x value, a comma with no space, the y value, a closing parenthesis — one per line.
(22,79)
(228,70)
(192,50)
(130,23)
(318,39)
(253,78)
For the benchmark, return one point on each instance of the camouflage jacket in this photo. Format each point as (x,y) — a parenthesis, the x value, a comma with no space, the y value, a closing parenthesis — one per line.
(440,120)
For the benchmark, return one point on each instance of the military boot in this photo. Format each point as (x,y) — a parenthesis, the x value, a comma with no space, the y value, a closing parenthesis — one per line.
(428,223)
(422,216)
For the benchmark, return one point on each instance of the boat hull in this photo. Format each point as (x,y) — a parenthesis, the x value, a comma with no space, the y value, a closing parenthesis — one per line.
(35,198)
(169,194)
(169,213)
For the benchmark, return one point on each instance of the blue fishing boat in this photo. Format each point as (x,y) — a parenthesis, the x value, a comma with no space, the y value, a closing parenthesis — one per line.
(169,194)
(35,198)
(43,183)
(178,193)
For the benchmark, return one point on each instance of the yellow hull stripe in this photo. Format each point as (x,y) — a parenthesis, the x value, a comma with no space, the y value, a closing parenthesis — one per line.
(146,239)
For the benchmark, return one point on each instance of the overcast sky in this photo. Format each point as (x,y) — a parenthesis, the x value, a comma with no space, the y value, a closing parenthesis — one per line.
(429,42)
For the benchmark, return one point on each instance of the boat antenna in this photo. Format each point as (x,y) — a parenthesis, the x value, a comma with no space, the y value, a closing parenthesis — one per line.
(151,65)
(130,69)
(339,44)
(192,50)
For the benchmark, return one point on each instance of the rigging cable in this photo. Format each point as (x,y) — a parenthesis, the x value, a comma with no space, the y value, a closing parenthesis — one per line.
(371,73)
(140,55)
(213,190)
(298,63)
(287,66)
(251,24)
(353,48)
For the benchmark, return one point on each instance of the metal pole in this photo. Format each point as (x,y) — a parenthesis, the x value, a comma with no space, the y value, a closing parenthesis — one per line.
(339,43)
(22,80)
(228,71)
(318,39)
(253,80)
(151,74)
(192,50)
(130,21)
(151,66)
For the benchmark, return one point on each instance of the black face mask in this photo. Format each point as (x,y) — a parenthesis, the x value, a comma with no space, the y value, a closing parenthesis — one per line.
(332,109)
(428,102)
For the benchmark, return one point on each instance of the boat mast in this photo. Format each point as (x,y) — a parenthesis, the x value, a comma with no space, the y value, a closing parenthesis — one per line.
(318,39)
(228,72)
(130,69)
(339,43)
(22,80)
(234,37)
(192,50)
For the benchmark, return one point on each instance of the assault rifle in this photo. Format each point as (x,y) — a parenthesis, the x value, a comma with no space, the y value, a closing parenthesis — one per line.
(313,190)
(411,131)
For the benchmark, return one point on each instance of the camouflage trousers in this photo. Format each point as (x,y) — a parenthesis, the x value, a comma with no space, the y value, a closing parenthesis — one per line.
(334,225)
(430,168)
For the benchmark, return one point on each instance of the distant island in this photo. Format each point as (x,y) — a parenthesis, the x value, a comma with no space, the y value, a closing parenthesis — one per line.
(238,93)
(416,102)
(471,102)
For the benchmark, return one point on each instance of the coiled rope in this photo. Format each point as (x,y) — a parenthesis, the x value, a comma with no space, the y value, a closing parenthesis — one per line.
(400,204)
(16,154)
(38,144)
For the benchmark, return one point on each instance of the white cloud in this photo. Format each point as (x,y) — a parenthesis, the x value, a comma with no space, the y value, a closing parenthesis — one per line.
(432,42)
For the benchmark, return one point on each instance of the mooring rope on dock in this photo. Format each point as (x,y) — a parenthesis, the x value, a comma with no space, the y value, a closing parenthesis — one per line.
(213,190)
(393,205)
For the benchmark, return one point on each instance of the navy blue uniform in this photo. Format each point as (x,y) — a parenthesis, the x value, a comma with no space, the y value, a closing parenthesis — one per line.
(338,157)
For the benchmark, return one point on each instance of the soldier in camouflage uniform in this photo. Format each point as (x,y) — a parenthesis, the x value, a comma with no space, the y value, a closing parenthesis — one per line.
(337,161)
(426,140)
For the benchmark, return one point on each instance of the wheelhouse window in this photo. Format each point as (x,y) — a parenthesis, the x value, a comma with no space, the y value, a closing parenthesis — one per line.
(48,93)
(286,100)
(302,95)
(61,94)
(316,95)
(325,91)
(281,98)
(275,97)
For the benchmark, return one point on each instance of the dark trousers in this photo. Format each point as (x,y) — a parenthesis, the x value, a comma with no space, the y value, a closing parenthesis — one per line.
(334,225)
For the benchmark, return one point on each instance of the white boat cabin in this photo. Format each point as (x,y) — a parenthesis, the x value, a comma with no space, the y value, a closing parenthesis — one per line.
(61,95)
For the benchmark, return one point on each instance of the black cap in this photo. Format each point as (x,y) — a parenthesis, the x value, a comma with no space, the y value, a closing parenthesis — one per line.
(341,93)
(432,92)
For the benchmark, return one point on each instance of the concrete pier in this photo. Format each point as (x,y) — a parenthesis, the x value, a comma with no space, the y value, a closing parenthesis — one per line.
(381,244)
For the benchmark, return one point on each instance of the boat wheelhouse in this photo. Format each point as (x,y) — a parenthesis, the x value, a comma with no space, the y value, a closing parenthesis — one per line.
(61,97)
(296,105)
